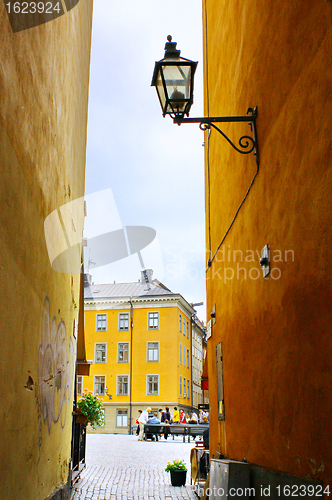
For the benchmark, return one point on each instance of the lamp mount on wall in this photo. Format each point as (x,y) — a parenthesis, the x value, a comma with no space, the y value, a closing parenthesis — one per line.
(173,78)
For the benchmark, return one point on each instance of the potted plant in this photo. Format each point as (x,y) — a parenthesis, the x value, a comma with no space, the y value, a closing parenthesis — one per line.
(178,471)
(90,407)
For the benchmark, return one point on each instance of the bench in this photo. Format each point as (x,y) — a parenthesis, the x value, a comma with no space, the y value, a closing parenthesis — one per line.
(184,430)
(155,429)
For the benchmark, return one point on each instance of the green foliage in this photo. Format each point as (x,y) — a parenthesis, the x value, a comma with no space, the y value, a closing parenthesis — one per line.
(176,465)
(91,406)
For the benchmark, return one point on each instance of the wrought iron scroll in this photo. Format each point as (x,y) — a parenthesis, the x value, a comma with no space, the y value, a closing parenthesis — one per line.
(247,144)
(244,142)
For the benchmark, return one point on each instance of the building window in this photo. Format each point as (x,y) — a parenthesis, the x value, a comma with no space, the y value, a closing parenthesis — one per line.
(101,322)
(121,418)
(184,387)
(187,358)
(100,353)
(184,355)
(123,352)
(123,321)
(184,325)
(153,351)
(180,322)
(79,386)
(188,390)
(100,385)
(122,385)
(180,353)
(152,385)
(180,385)
(153,320)
(187,329)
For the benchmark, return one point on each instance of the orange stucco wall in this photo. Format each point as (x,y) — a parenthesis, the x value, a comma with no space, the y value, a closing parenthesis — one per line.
(44,77)
(276,332)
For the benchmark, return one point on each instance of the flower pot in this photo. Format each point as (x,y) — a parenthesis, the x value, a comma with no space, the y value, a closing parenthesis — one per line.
(80,418)
(178,477)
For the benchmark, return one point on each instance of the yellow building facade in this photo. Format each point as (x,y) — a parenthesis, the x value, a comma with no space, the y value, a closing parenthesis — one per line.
(138,336)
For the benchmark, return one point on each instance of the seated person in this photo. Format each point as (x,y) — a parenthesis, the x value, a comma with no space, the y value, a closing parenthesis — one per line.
(193,418)
(154,420)
(206,438)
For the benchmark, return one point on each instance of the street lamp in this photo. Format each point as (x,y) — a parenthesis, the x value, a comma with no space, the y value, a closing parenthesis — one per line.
(173,78)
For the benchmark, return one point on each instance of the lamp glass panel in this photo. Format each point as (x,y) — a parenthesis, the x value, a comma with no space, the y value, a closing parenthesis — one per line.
(178,83)
(160,90)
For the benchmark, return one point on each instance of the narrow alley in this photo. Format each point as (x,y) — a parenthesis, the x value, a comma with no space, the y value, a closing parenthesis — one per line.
(121,468)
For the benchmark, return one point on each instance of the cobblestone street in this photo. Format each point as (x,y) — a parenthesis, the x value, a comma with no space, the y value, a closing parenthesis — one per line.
(122,468)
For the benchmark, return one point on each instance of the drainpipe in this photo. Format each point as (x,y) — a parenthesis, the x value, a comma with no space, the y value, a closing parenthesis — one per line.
(131,367)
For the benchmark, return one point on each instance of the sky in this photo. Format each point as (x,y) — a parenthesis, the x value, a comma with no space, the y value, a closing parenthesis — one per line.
(142,170)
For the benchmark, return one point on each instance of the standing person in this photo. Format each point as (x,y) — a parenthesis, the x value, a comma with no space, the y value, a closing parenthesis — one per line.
(176,416)
(182,417)
(165,419)
(201,414)
(163,415)
(142,420)
(139,414)
(168,414)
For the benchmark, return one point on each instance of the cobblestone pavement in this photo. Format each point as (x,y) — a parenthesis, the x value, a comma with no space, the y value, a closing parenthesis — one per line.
(122,468)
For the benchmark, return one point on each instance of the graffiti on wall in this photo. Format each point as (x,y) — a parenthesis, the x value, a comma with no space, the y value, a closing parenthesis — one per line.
(56,369)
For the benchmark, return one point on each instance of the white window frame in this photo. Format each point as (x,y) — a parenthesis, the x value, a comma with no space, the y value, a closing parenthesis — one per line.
(184,355)
(121,412)
(120,319)
(187,329)
(99,393)
(180,385)
(188,388)
(184,387)
(102,329)
(180,323)
(180,352)
(153,320)
(100,343)
(124,350)
(79,384)
(148,350)
(147,384)
(188,356)
(184,326)
(122,376)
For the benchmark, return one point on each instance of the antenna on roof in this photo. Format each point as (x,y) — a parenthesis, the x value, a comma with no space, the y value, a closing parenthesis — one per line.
(144,272)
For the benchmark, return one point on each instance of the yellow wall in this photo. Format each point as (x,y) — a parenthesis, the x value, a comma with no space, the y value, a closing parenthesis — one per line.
(168,368)
(44,76)
(276,333)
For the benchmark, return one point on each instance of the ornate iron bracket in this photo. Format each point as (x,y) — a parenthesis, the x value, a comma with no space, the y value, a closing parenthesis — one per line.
(247,143)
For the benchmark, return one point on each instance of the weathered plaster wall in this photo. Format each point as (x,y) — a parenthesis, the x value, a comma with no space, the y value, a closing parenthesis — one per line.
(276,333)
(44,74)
